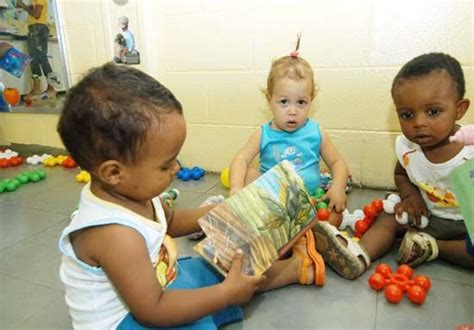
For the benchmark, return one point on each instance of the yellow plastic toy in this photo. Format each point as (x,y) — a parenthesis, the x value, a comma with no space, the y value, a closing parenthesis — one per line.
(225,177)
(83,176)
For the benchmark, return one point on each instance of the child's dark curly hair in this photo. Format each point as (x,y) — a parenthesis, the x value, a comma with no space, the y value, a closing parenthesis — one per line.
(109,113)
(426,63)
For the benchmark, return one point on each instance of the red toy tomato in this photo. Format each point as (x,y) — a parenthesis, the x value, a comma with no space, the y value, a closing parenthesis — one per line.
(323,214)
(361,226)
(405,270)
(69,162)
(377,281)
(4,163)
(416,294)
(370,211)
(393,293)
(423,281)
(11,95)
(384,269)
(378,204)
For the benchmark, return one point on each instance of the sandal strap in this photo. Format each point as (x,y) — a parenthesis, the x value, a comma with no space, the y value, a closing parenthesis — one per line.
(428,248)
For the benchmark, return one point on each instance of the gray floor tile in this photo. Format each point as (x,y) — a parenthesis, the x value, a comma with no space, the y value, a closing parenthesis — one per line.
(18,223)
(446,306)
(35,259)
(20,300)
(52,316)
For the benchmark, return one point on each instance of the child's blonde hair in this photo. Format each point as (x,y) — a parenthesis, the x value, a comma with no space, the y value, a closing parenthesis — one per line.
(291,66)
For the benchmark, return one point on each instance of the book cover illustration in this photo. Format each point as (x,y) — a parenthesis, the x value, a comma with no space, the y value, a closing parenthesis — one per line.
(261,220)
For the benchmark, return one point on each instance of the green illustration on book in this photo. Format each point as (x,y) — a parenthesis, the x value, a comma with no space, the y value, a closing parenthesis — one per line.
(263,220)
(462,179)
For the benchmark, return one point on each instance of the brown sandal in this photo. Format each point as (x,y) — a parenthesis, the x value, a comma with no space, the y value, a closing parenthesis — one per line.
(427,248)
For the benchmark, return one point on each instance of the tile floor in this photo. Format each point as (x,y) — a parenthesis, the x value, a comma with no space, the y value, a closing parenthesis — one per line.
(31,294)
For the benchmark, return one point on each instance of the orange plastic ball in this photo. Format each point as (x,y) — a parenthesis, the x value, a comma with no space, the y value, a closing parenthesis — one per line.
(11,95)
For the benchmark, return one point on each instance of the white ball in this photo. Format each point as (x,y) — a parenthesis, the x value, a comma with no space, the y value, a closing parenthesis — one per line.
(424,222)
(388,206)
(358,214)
(394,198)
(402,219)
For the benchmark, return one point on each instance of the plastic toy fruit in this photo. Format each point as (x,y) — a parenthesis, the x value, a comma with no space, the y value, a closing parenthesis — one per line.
(377,281)
(422,281)
(416,294)
(406,270)
(323,214)
(393,293)
(11,95)
(384,269)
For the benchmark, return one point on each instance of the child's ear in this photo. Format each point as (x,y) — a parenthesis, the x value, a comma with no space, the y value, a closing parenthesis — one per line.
(111,172)
(461,107)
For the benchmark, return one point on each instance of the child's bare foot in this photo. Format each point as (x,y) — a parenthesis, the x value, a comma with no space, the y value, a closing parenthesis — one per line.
(307,262)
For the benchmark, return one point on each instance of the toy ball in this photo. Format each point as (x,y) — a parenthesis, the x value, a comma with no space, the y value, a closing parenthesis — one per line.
(225,178)
(11,95)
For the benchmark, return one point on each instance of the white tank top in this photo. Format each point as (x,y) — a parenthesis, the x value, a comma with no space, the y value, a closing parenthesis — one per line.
(92,299)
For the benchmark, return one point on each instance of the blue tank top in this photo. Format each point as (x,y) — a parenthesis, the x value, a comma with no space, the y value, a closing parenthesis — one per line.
(300,147)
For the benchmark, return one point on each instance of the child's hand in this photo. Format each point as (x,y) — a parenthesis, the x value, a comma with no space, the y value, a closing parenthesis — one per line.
(240,287)
(234,191)
(414,206)
(337,199)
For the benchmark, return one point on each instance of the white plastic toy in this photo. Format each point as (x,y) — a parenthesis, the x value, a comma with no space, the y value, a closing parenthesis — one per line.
(7,154)
(349,219)
(389,207)
(36,159)
(464,135)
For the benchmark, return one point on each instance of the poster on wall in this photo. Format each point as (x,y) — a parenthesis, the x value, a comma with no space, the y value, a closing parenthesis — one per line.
(13,20)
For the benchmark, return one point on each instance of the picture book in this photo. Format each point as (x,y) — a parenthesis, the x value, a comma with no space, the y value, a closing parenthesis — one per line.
(263,220)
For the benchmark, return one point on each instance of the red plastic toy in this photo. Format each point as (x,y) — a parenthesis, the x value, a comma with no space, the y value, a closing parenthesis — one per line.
(396,284)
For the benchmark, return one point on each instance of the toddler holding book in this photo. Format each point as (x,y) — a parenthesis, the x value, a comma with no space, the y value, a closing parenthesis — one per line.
(119,261)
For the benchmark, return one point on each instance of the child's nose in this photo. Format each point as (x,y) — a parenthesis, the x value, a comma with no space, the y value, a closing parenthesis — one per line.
(420,120)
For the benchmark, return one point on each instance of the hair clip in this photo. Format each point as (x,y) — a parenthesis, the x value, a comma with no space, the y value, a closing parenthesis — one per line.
(294,54)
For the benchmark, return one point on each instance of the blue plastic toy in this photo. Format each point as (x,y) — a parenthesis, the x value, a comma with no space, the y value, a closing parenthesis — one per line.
(186,173)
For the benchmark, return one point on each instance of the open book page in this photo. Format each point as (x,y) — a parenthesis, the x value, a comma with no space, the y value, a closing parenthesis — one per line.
(260,220)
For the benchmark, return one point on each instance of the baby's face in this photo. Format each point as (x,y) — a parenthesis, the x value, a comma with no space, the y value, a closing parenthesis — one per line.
(156,165)
(427,108)
(290,103)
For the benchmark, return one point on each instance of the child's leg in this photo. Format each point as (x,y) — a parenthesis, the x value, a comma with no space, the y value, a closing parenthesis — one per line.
(252,174)
(379,239)
(455,252)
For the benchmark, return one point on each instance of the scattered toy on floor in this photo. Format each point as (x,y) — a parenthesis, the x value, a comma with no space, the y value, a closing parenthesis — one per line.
(186,173)
(10,185)
(224,178)
(396,284)
(37,159)
(83,177)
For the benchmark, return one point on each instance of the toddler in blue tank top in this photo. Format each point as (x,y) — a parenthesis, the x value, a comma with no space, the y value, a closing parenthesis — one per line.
(292,136)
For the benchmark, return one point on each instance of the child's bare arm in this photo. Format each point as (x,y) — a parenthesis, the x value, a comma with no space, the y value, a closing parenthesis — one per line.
(183,222)
(412,202)
(338,167)
(242,161)
(123,255)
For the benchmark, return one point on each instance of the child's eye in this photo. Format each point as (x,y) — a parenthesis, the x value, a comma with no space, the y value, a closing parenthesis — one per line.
(283,102)
(405,115)
(302,102)
(433,112)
